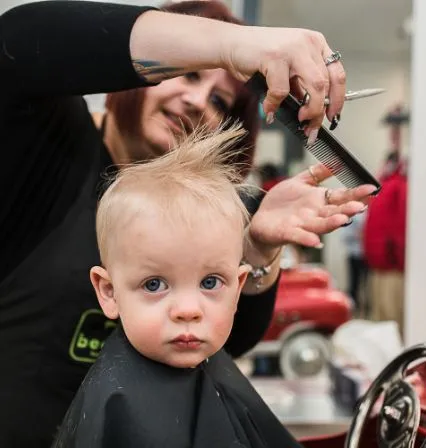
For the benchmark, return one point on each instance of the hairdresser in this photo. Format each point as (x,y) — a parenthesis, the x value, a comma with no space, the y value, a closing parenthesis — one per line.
(54,154)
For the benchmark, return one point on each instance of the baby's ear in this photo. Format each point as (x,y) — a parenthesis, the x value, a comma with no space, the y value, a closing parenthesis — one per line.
(104,291)
(243,272)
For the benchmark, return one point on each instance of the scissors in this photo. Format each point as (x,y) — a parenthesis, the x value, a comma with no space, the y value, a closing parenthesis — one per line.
(357,94)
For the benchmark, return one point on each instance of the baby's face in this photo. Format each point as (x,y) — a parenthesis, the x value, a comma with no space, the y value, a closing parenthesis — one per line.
(176,287)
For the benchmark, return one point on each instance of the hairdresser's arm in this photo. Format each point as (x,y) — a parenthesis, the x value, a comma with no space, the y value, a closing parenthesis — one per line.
(257,254)
(251,321)
(256,305)
(163,44)
(83,47)
(54,48)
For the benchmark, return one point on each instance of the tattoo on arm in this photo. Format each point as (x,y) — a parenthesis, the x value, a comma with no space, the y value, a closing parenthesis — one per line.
(153,71)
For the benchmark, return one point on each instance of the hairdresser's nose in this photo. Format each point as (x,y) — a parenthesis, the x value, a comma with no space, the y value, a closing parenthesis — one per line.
(196,99)
(186,308)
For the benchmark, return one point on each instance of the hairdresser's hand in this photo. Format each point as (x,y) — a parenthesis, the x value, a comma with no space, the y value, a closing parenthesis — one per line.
(296,211)
(290,59)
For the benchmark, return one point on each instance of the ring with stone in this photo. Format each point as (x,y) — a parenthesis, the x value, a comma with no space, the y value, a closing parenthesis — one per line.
(334,57)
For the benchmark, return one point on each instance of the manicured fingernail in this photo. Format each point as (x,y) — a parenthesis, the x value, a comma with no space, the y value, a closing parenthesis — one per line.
(363,209)
(312,137)
(350,221)
(319,246)
(270,118)
(334,122)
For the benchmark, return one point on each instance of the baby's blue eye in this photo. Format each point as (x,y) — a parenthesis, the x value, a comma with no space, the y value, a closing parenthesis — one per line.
(211,282)
(155,285)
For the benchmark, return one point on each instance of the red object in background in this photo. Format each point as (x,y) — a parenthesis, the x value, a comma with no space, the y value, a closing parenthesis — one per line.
(385,225)
(306,296)
(321,309)
(305,278)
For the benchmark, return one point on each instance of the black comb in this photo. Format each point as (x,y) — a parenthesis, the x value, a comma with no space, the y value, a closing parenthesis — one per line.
(326,149)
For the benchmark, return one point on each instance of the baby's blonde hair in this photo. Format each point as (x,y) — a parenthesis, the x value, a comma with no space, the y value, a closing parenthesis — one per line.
(195,178)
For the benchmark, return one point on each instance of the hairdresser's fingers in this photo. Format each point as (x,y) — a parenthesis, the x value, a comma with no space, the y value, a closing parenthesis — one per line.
(342,195)
(277,80)
(337,90)
(291,50)
(363,193)
(313,108)
(315,83)
(325,225)
(296,89)
(349,209)
(314,175)
(298,235)
(308,233)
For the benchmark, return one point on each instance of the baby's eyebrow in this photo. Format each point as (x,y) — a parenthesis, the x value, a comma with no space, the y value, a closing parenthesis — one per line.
(218,266)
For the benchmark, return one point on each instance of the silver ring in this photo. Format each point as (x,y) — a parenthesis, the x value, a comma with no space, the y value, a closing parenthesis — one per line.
(315,178)
(334,57)
(327,195)
(306,99)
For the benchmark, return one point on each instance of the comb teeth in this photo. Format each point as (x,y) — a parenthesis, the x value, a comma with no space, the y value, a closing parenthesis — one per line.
(326,149)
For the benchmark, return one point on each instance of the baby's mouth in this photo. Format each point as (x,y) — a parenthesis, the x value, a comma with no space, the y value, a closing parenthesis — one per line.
(187,342)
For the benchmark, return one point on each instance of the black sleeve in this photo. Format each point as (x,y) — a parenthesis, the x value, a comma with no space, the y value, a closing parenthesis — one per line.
(50,53)
(67,47)
(254,311)
(251,321)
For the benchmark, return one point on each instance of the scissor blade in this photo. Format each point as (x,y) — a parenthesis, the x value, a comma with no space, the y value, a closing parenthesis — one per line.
(364,93)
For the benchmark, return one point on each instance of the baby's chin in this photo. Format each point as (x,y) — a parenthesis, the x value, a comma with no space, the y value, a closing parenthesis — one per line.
(185,362)
(189,360)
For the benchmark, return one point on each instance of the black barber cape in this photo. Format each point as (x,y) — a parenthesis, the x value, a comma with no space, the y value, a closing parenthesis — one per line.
(130,401)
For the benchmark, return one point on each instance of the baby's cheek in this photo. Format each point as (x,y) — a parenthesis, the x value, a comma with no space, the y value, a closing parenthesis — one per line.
(222,329)
(142,331)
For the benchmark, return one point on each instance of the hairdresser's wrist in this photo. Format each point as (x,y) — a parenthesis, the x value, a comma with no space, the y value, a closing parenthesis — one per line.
(257,254)
(263,259)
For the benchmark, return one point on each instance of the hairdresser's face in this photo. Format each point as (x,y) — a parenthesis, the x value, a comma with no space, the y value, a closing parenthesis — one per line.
(176,286)
(180,104)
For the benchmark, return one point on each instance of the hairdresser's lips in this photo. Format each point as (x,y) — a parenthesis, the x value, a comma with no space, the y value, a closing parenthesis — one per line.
(187,342)
(178,123)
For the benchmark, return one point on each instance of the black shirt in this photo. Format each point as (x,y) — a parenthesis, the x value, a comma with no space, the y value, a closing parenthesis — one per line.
(51,327)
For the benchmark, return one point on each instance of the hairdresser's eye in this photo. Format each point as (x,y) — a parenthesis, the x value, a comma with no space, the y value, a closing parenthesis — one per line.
(220,104)
(211,282)
(192,76)
(154,285)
